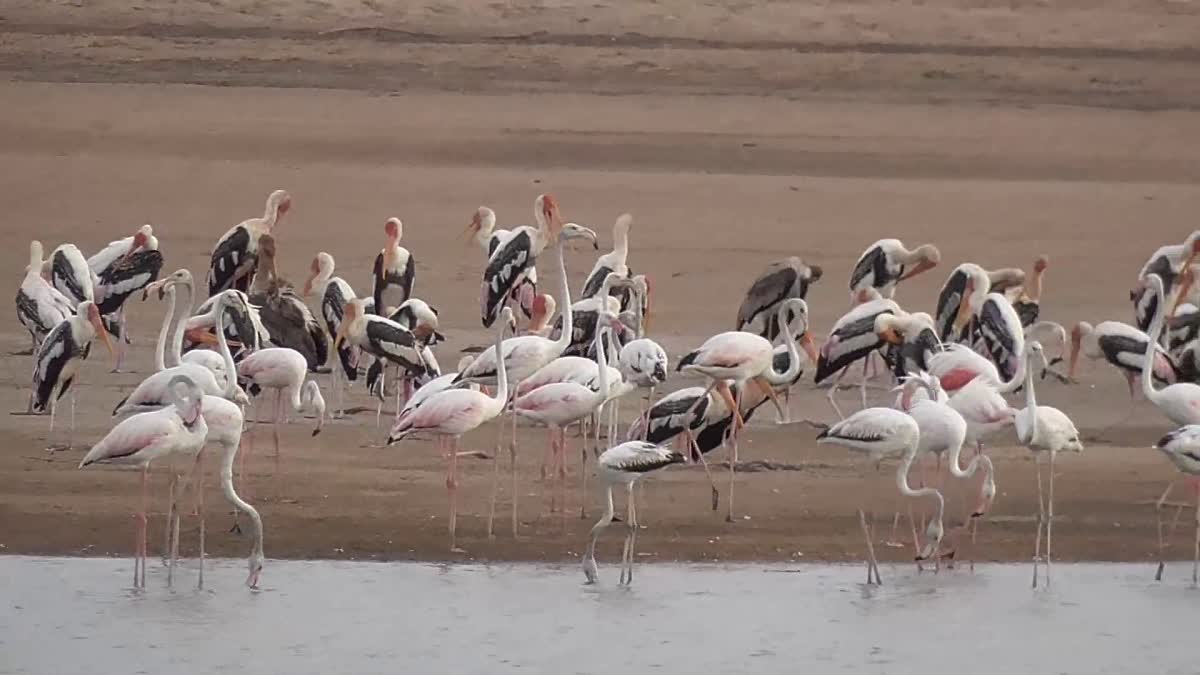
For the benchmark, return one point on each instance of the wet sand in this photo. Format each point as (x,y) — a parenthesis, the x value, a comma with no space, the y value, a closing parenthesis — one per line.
(725,166)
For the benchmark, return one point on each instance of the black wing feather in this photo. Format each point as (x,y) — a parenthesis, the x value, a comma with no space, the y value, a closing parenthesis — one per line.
(231,262)
(506,267)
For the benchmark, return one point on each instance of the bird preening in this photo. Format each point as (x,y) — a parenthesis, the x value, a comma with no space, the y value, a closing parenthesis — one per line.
(565,353)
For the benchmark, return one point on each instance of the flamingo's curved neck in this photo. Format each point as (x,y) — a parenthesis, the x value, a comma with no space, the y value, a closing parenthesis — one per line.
(231,495)
(223,347)
(181,310)
(793,369)
(168,318)
(568,326)
(602,363)
(910,456)
(609,510)
(501,396)
(1030,397)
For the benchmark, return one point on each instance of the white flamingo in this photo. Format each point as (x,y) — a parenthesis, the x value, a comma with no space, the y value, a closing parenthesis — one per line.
(1043,428)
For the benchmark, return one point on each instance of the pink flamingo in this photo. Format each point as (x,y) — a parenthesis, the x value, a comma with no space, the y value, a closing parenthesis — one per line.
(283,370)
(137,441)
(452,413)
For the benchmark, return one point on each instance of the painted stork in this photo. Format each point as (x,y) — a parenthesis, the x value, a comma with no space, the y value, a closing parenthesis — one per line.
(509,263)
(57,360)
(120,276)
(233,258)
(40,306)
(886,263)
(1123,347)
(334,293)
(955,289)
(283,312)
(70,274)
(852,339)
(610,263)
(1180,402)
(394,269)
(782,279)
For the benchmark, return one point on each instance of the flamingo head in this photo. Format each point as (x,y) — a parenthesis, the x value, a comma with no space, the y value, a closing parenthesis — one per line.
(933,539)
(256,568)
(987,494)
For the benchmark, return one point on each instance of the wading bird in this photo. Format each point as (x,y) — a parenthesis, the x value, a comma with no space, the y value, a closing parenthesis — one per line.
(234,256)
(179,428)
(782,279)
(886,263)
(450,413)
(394,269)
(57,361)
(40,306)
(624,465)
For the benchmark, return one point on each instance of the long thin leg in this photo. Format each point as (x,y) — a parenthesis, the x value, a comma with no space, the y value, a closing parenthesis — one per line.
(583,473)
(142,519)
(200,499)
(172,506)
(832,395)
(512,453)
(561,469)
(695,447)
(1196,545)
(733,456)
(452,487)
(173,534)
(633,532)
(71,432)
(872,564)
(495,475)
(862,386)
(1050,517)
(1162,545)
(1037,546)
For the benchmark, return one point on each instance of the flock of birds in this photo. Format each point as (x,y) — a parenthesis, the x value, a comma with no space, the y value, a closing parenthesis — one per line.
(255,331)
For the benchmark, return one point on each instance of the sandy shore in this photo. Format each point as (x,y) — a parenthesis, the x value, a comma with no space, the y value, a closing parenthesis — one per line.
(736,145)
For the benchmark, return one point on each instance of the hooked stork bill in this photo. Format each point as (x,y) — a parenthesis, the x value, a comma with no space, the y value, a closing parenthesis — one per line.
(1043,428)
(233,257)
(884,433)
(40,306)
(624,464)
(886,263)
(394,269)
(610,263)
(57,360)
(782,279)
(510,261)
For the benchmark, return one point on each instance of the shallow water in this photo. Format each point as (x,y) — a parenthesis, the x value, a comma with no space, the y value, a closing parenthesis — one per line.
(70,615)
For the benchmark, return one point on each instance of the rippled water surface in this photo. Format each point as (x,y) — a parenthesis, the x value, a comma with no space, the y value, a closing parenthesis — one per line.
(68,615)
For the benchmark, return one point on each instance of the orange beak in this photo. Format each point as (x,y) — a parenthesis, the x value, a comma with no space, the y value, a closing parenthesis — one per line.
(964,309)
(809,347)
(102,333)
(922,266)
(1185,285)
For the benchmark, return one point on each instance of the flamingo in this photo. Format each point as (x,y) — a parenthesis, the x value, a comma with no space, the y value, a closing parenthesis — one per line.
(884,433)
(233,258)
(1180,402)
(244,323)
(178,428)
(450,413)
(40,306)
(441,383)
(610,263)
(1182,447)
(522,356)
(394,269)
(560,404)
(742,358)
(58,358)
(782,279)
(225,421)
(624,464)
(586,317)
(886,263)
(1043,428)
(283,370)
(121,269)
(168,352)
(644,363)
